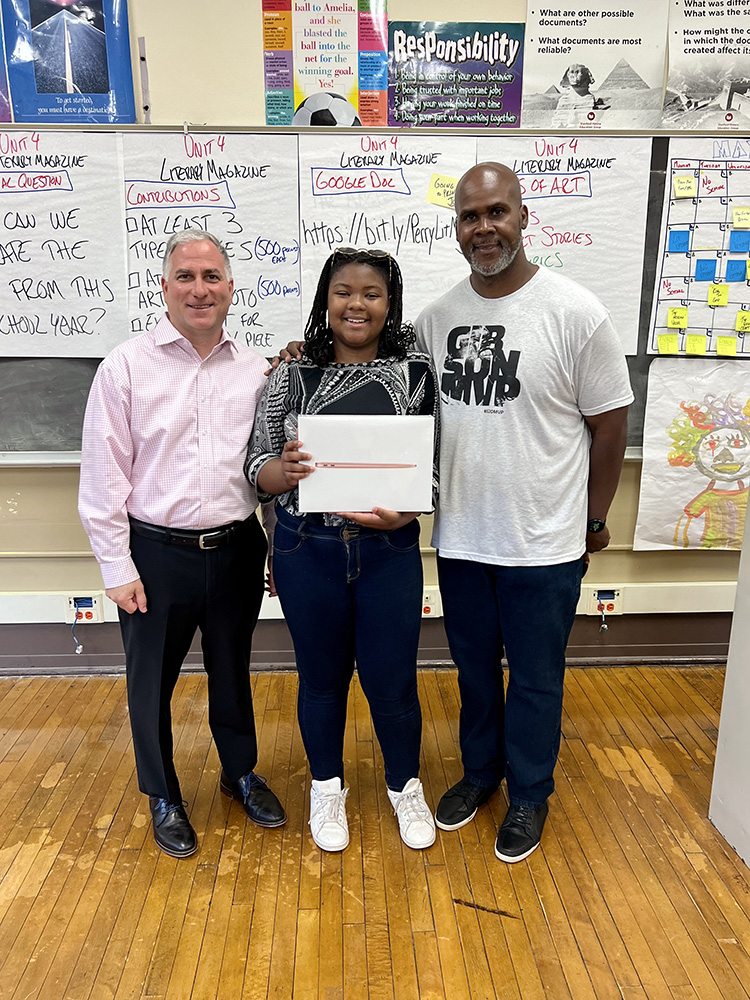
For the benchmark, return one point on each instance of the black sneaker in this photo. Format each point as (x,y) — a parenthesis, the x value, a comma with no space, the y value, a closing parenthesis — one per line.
(520,833)
(459,804)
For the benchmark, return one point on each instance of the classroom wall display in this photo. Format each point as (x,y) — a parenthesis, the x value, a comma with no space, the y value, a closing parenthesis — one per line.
(390,192)
(455,74)
(708,86)
(601,66)
(5,115)
(696,455)
(325,63)
(62,244)
(574,190)
(701,301)
(240,187)
(69,60)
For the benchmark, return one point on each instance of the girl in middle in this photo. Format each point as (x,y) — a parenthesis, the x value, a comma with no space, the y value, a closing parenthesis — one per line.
(350,584)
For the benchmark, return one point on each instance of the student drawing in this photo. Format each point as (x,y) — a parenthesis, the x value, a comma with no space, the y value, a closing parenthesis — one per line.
(714,437)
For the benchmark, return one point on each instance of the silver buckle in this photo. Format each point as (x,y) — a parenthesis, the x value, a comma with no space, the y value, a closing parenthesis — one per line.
(209,534)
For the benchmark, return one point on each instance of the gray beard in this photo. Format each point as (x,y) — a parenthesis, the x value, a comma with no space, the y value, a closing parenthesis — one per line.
(503,262)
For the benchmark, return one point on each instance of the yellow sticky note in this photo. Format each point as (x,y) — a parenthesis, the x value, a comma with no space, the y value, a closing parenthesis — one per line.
(743,321)
(685,186)
(718,295)
(442,190)
(668,343)
(741,217)
(695,343)
(677,317)
(726,347)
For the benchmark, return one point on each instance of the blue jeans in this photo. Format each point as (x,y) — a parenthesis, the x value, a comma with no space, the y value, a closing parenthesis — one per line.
(353,594)
(529,611)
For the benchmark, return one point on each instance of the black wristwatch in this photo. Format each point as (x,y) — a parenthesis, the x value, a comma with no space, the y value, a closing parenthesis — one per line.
(596,525)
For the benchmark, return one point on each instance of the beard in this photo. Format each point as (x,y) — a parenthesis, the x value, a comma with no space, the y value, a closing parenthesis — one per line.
(506,257)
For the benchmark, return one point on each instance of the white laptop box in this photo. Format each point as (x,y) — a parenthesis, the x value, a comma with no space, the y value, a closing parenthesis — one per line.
(368,461)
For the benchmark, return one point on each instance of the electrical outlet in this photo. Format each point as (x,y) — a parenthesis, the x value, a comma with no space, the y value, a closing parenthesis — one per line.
(432,606)
(84,609)
(606,600)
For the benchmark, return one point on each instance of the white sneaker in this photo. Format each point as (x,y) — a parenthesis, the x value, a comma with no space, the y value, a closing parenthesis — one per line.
(328,825)
(415,822)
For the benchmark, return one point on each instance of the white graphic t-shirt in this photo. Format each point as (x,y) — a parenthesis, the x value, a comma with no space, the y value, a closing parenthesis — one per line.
(517,375)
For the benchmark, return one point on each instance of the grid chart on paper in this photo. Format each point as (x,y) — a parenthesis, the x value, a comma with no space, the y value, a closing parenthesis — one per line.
(705,258)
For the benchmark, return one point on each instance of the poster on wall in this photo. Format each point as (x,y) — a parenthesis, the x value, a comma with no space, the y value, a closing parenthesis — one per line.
(457,74)
(325,64)
(386,192)
(242,188)
(701,301)
(69,60)
(600,67)
(709,66)
(62,245)
(5,115)
(573,189)
(696,455)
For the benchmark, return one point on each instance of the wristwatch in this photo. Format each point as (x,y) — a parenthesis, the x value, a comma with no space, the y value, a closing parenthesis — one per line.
(595,525)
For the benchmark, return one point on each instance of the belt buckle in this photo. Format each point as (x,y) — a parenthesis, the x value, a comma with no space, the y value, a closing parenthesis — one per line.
(209,534)
(350,532)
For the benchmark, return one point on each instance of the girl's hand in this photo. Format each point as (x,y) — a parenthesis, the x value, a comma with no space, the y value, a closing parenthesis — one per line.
(292,468)
(381,517)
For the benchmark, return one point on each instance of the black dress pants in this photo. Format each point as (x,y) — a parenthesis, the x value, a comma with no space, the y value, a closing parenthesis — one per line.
(218,591)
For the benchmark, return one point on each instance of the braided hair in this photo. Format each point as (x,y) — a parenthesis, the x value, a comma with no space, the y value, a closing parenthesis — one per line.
(395,339)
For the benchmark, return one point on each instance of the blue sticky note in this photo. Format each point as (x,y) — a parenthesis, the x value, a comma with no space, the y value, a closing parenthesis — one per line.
(705,270)
(739,242)
(736,270)
(679,241)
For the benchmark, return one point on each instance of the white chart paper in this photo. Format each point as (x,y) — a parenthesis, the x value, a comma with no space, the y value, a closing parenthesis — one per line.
(240,187)
(701,301)
(62,245)
(386,192)
(587,198)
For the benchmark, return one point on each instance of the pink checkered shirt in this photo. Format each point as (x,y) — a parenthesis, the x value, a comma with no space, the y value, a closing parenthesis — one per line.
(164,439)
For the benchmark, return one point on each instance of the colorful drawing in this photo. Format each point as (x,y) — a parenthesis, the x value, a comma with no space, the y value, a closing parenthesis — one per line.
(714,436)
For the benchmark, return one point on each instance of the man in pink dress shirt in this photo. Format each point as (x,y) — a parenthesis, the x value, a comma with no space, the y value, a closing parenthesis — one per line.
(171,520)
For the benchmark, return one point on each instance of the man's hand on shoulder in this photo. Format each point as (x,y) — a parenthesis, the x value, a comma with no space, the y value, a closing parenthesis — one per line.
(292,352)
(131,597)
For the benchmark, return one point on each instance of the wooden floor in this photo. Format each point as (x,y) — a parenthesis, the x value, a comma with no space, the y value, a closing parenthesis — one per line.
(633,895)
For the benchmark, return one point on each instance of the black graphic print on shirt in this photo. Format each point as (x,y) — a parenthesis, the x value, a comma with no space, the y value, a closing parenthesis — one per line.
(476,369)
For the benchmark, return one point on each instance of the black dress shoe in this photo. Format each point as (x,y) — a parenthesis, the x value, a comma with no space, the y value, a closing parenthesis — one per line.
(261,805)
(459,804)
(520,832)
(172,830)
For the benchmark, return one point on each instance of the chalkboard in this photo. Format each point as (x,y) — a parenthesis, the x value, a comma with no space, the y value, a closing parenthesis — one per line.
(42,400)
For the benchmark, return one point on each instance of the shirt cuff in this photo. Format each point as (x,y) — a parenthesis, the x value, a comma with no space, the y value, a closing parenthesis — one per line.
(119,572)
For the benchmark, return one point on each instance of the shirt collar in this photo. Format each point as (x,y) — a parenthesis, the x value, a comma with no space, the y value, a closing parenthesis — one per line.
(166,333)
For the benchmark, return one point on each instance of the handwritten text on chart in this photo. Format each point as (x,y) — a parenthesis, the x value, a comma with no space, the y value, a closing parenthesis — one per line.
(327,181)
(364,230)
(556,185)
(13,181)
(159,194)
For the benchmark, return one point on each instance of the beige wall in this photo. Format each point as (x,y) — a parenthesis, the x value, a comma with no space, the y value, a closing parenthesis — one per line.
(44,548)
(215,77)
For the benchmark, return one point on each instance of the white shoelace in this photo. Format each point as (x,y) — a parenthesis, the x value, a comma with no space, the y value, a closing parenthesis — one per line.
(330,807)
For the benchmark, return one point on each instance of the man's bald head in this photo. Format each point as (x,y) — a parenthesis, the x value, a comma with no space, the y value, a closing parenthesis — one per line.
(488,175)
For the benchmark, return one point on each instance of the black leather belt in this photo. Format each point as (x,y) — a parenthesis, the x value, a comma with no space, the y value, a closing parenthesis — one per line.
(209,538)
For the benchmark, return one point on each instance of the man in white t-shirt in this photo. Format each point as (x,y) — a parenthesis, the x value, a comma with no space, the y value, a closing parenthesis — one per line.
(534,391)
